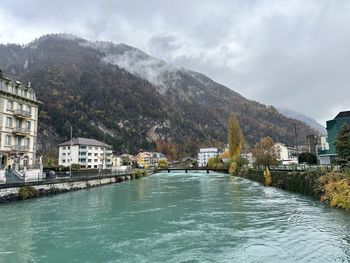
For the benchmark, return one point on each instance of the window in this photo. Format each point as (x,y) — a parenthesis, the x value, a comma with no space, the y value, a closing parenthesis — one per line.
(96,160)
(95,166)
(96,148)
(27,142)
(9,122)
(63,153)
(96,154)
(82,153)
(20,106)
(28,125)
(63,161)
(89,160)
(29,109)
(83,147)
(10,105)
(8,140)
(89,154)
(90,148)
(64,147)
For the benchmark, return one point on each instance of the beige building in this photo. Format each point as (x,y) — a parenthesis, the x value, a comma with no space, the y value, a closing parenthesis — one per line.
(18,125)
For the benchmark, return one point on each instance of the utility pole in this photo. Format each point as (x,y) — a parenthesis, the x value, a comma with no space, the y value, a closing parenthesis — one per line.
(296,141)
(70,152)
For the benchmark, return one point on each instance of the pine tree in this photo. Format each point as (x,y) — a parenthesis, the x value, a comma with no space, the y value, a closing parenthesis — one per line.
(235,136)
(342,146)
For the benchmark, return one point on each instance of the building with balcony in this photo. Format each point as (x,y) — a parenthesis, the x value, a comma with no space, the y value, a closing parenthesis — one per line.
(88,153)
(145,159)
(18,125)
(206,153)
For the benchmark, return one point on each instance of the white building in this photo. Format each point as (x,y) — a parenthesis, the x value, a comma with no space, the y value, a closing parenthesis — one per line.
(324,159)
(286,154)
(18,129)
(204,155)
(88,153)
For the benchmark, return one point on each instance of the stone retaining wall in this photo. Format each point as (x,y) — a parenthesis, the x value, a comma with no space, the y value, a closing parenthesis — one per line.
(11,194)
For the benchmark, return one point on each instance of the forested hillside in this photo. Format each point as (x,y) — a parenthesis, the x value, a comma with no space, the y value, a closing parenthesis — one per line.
(85,86)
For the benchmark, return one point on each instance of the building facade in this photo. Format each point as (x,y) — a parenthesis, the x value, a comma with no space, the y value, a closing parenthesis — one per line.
(145,159)
(204,155)
(286,154)
(327,153)
(18,125)
(88,153)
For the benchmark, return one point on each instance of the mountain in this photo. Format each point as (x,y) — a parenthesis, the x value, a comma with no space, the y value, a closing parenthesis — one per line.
(119,94)
(303,118)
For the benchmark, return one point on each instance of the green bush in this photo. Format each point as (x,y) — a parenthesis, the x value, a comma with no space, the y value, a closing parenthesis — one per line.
(75,167)
(27,192)
(138,174)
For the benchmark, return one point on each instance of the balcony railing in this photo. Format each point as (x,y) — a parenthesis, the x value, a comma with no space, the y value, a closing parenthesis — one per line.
(23,113)
(20,148)
(21,131)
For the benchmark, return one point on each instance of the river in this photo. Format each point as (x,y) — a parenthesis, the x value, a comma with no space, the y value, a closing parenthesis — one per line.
(177,217)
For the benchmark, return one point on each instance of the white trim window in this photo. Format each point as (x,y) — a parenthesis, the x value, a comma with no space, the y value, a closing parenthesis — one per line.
(9,122)
(10,105)
(8,140)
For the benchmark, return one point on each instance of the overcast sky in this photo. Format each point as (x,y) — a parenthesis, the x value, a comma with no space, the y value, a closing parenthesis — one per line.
(292,54)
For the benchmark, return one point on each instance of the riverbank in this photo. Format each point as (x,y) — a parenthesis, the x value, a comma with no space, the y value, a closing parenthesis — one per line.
(29,190)
(332,188)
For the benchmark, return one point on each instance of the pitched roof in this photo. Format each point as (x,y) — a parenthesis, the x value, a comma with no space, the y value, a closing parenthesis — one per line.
(343,114)
(85,141)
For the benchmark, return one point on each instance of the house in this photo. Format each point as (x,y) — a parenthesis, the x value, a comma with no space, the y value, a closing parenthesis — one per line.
(205,153)
(327,153)
(145,159)
(88,153)
(128,160)
(19,121)
(117,161)
(286,154)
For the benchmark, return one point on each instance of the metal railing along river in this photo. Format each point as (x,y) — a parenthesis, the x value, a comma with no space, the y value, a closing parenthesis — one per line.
(50,177)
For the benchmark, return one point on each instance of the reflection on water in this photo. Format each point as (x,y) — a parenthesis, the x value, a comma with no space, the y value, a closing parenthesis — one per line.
(175,217)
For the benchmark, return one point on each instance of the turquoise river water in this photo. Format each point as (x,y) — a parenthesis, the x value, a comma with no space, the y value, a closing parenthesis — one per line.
(175,217)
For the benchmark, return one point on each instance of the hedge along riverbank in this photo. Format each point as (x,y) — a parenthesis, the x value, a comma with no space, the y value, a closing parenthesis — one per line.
(332,188)
(296,181)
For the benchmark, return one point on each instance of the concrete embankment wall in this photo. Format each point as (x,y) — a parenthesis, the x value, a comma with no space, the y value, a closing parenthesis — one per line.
(296,181)
(43,189)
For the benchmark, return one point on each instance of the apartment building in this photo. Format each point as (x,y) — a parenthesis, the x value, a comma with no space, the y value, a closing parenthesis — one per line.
(204,155)
(18,125)
(88,153)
